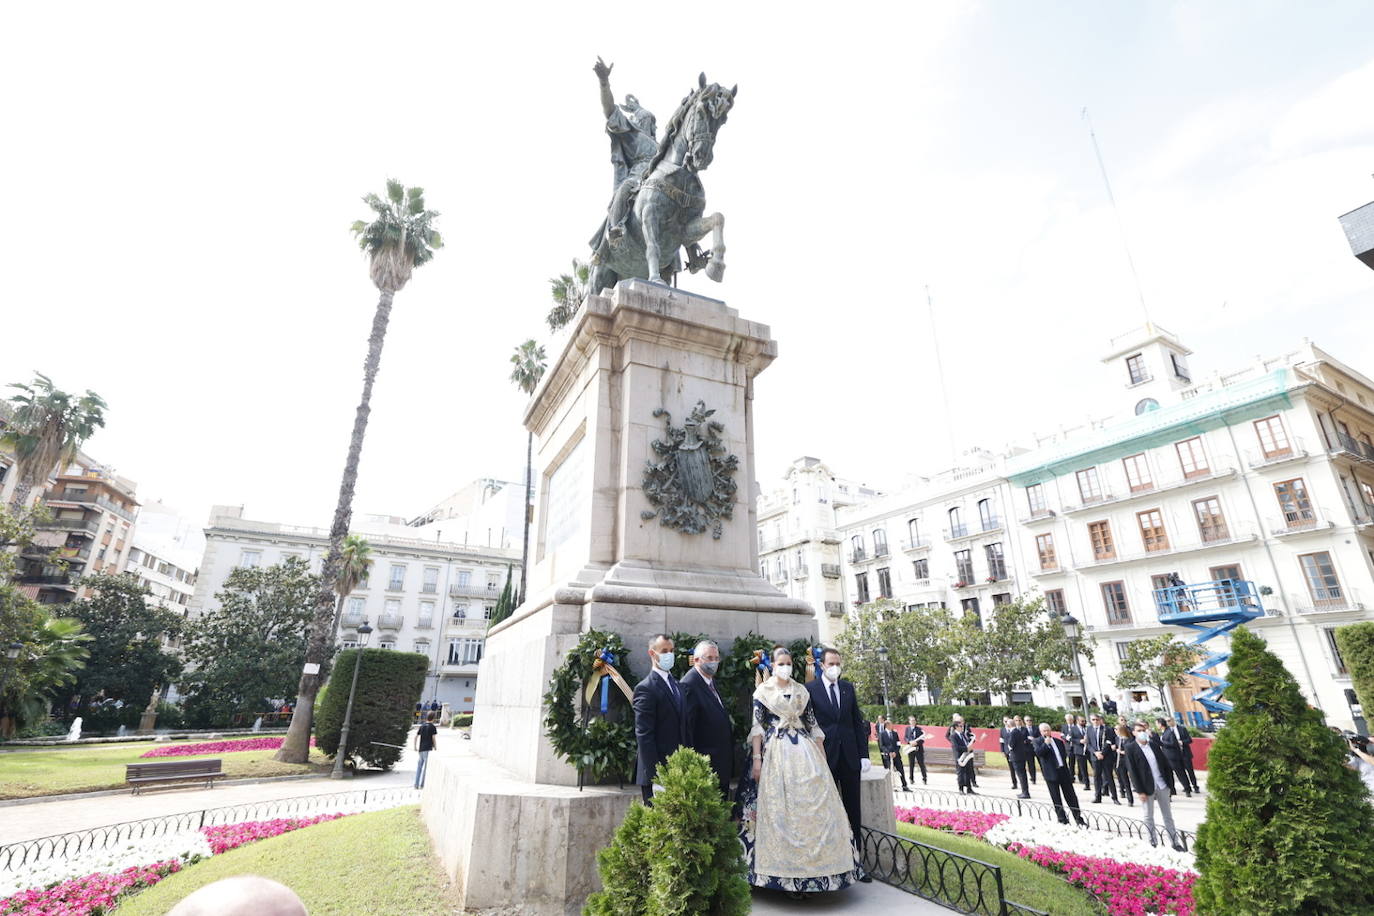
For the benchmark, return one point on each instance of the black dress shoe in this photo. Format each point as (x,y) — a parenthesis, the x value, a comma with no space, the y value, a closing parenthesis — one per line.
(1097,801)
(1116,801)
(1023,796)
(866,878)
(1179,848)
(1154,842)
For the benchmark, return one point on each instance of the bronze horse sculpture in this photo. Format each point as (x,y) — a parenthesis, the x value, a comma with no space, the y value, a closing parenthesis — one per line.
(667,214)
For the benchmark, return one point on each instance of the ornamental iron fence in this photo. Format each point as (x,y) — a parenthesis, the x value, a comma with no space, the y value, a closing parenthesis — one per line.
(29,853)
(964,884)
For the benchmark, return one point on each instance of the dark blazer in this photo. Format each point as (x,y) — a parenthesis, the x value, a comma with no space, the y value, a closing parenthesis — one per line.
(658,725)
(913,732)
(1005,738)
(959,741)
(1139,769)
(846,733)
(1028,736)
(1175,749)
(706,726)
(1106,743)
(1074,736)
(887,741)
(1053,772)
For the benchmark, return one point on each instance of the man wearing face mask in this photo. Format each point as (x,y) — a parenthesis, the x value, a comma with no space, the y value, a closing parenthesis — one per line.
(1153,781)
(658,706)
(846,735)
(706,723)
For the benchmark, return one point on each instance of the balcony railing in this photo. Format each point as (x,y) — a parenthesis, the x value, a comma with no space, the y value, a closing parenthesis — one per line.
(429,588)
(78,525)
(1037,515)
(1237,535)
(858,556)
(490,590)
(458,667)
(1296,450)
(51,580)
(991,524)
(830,570)
(916,543)
(800,572)
(1349,600)
(1351,447)
(352,619)
(997,572)
(834,608)
(470,622)
(1152,489)
(89,498)
(879,550)
(389,621)
(1300,521)
(424,623)
(956,531)
(769,544)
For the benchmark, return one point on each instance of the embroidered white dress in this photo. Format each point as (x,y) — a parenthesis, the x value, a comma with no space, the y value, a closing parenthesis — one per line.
(793,825)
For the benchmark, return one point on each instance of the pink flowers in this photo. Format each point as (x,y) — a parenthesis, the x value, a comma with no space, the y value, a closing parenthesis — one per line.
(216,747)
(92,895)
(1126,888)
(231,836)
(972,823)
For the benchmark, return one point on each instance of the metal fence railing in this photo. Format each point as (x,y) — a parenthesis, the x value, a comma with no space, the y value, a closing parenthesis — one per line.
(963,884)
(29,853)
(1041,811)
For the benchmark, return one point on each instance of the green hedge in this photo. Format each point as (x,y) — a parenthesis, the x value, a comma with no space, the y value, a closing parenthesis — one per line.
(462,720)
(389,686)
(1356,643)
(975,716)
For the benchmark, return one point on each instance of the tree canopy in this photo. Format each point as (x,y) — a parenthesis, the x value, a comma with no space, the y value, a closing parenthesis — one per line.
(1158,661)
(127,631)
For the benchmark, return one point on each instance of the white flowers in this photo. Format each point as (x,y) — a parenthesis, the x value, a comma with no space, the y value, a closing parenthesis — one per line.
(1030,832)
(184,846)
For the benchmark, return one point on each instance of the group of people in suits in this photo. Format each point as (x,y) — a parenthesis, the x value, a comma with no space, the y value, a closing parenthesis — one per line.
(776,786)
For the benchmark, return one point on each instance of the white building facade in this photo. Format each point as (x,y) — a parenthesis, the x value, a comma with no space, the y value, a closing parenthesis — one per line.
(423,595)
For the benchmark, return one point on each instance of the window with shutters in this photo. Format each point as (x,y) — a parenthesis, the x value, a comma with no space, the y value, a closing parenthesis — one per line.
(1054,602)
(1192,458)
(1138,473)
(1135,369)
(963,566)
(1152,534)
(879,542)
(1114,600)
(921,568)
(861,587)
(1294,503)
(1089,487)
(1035,499)
(1211,524)
(1228,571)
(1100,534)
(997,563)
(956,523)
(884,582)
(1322,583)
(1273,439)
(1044,547)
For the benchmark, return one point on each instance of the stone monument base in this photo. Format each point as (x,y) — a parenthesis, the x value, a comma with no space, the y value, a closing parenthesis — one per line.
(525,849)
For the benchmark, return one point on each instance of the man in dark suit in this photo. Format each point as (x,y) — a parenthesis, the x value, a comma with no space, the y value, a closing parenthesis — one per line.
(890,747)
(1074,735)
(706,726)
(1004,740)
(1054,763)
(1153,781)
(1018,757)
(915,749)
(1028,737)
(658,709)
(1102,753)
(846,734)
(1178,747)
(960,743)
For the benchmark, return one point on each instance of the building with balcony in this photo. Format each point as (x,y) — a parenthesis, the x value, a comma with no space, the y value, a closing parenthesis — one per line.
(91,530)
(425,593)
(799,543)
(1264,474)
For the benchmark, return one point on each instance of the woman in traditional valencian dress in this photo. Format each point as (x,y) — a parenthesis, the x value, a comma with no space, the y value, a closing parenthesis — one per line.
(793,825)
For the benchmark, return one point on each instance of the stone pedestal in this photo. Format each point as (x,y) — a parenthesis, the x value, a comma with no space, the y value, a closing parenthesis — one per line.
(595,561)
(875,800)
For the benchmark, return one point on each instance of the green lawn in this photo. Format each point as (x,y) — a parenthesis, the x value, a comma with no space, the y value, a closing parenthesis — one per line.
(1022,882)
(365,863)
(54,771)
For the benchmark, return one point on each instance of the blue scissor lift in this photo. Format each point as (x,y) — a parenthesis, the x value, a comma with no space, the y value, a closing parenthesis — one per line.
(1213,609)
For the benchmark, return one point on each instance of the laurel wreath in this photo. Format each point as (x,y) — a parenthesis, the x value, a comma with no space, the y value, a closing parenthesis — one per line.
(605,748)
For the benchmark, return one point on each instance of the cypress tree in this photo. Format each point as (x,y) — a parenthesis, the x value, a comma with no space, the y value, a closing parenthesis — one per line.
(1288,830)
(1356,642)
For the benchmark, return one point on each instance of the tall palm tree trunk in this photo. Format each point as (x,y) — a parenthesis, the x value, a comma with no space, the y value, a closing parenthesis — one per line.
(320,637)
(529,498)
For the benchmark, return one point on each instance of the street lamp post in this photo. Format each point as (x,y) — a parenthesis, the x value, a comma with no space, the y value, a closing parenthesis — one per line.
(11,653)
(1071,633)
(364,632)
(882,672)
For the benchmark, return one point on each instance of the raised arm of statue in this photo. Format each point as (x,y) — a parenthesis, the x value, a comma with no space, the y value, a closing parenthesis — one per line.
(603,75)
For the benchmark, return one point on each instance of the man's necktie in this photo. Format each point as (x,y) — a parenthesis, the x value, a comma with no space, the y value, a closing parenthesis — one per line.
(677,696)
(835,697)
(716,693)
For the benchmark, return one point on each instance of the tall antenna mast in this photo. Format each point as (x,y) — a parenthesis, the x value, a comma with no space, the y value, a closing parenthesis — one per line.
(1120,226)
(940,370)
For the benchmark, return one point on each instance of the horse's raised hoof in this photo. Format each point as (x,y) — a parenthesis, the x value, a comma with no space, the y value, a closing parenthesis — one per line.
(715,270)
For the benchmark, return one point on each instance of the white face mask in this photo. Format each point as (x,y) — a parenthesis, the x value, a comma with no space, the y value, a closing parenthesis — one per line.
(665,661)
(1142,737)
(784,672)
(833,672)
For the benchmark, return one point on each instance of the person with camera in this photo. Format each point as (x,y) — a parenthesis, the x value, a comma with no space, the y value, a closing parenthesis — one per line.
(1361,761)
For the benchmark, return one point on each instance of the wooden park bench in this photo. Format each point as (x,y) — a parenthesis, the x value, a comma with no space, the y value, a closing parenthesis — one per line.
(173,772)
(944,757)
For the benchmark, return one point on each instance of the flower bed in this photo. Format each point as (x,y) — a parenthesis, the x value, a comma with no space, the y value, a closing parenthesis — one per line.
(217,747)
(1126,888)
(91,885)
(970,823)
(92,894)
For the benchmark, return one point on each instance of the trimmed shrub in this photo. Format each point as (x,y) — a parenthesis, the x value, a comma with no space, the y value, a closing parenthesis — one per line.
(1288,830)
(462,720)
(679,858)
(1356,643)
(389,685)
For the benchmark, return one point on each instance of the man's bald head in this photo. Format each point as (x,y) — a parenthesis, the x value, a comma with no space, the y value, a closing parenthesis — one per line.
(242,895)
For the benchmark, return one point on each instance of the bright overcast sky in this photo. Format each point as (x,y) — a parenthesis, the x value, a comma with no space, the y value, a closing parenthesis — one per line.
(182,177)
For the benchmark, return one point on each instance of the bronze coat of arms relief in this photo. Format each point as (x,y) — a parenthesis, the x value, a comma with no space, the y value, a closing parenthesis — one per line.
(691,485)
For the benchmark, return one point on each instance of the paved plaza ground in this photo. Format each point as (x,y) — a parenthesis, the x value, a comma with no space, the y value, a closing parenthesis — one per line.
(859,900)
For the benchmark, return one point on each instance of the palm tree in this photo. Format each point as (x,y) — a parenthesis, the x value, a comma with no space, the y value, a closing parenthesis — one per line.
(400,237)
(355,563)
(47,428)
(569,291)
(530,363)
